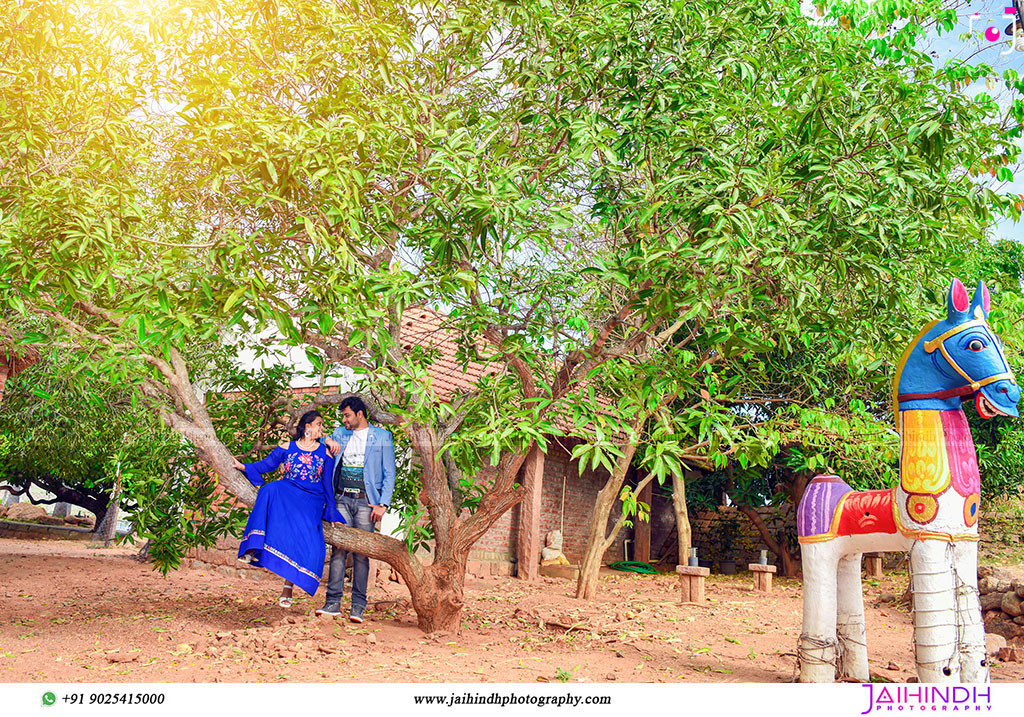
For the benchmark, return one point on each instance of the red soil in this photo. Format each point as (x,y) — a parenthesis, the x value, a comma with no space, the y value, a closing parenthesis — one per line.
(69,613)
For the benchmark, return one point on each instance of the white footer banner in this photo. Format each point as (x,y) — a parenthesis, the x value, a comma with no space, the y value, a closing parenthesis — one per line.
(410,700)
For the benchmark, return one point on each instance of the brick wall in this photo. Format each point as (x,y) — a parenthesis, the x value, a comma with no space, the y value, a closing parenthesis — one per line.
(498,543)
(561,480)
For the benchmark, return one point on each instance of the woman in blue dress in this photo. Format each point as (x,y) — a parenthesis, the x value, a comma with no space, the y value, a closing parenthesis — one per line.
(284,533)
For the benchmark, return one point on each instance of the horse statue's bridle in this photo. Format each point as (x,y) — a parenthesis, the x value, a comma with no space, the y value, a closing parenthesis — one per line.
(972,385)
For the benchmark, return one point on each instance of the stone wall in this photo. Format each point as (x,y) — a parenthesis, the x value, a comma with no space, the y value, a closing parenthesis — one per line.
(747,545)
(37,531)
(996,528)
(1001,604)
(223,553)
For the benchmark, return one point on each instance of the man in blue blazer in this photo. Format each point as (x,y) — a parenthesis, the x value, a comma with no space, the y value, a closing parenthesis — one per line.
(364,481)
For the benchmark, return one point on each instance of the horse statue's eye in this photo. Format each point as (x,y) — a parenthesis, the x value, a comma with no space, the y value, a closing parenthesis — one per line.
(976,345)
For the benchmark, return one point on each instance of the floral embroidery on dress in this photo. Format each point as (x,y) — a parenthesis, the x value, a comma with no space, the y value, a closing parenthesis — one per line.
(306,468)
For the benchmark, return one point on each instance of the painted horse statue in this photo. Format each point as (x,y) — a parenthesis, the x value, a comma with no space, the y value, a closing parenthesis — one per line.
(932,513)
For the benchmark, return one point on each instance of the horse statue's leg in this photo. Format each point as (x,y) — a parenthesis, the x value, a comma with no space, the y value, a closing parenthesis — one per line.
(973,662)
(850,628)
(933,588)
(816,649)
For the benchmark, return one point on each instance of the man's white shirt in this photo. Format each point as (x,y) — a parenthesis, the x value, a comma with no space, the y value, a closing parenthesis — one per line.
(355,449)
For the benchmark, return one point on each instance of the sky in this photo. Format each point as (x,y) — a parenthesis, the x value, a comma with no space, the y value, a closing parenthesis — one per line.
(975,48)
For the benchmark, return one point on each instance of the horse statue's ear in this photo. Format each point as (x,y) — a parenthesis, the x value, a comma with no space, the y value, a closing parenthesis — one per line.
(958,302)
(982,302)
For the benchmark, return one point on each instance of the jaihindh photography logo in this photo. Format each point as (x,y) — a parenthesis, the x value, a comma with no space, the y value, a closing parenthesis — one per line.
(928,698)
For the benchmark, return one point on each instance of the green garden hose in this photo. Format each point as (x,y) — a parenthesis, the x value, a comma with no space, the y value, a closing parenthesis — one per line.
(633,566)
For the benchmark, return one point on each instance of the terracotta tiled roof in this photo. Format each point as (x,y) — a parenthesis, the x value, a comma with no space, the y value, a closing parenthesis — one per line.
(424,327)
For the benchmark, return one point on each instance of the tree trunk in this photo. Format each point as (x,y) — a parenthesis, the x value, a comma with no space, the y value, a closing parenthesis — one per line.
(108,533)
(776,546)
(437,589)
(103,525)
(597,541)
(684,533)
(590,565)
(5,371)
(95,502)
(438,598)
(796,485)
(101,515)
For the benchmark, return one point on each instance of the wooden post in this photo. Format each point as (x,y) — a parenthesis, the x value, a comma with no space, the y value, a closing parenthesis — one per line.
(528,538)
(691,583)
(642,529)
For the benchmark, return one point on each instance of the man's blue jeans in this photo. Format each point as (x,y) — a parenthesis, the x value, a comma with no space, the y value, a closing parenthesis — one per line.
(356,512)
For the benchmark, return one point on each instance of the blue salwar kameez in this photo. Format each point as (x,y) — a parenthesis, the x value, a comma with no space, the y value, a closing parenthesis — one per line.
(284,530)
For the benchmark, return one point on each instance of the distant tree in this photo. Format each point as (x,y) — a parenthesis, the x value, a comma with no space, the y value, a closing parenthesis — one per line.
(66,435)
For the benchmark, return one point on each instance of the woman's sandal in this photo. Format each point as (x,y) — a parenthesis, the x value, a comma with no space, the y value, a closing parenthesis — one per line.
(245,557)
(285,600)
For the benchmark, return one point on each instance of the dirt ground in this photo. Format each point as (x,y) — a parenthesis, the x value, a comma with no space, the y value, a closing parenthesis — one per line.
(69,613)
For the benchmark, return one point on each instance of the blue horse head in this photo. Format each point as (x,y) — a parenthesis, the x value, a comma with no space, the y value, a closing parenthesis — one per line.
(954,359)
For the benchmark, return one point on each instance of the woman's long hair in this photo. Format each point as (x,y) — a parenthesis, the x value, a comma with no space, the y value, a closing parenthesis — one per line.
(307,418)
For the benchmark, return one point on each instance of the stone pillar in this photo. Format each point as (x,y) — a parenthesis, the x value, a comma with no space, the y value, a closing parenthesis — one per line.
(762,576)
(873,564)
(691,582)
(642,529)
(528,537)
(60,509)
